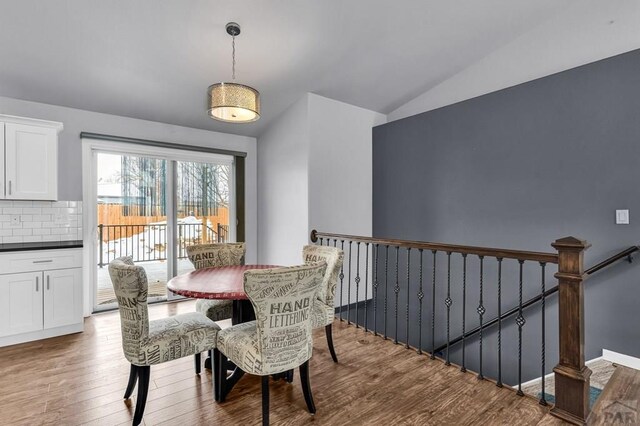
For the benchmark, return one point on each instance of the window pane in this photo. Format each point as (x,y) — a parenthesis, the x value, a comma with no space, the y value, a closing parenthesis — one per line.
(131,206)
(203,203)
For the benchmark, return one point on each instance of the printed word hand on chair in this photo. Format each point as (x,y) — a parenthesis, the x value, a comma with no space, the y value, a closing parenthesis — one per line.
(323,310)
(280,338)
(147,343)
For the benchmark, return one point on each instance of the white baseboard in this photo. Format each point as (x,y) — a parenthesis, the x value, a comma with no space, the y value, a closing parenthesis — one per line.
(41,334)
(621,359)
(537,379)
(550,375)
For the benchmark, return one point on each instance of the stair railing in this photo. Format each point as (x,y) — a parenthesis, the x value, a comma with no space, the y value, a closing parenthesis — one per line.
(375,263)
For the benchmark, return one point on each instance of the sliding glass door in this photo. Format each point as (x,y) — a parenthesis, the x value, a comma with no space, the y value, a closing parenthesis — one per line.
(202,207)
(152,207)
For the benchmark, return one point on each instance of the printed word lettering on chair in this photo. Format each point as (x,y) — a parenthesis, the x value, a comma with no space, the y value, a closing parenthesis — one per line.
(323,310)
(280,338)
(147,343)
(216,256)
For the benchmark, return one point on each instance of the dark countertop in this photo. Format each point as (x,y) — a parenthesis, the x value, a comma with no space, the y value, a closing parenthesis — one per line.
(40,245)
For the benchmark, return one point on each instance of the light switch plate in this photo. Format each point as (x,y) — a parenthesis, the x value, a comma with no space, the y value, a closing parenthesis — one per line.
(622,217)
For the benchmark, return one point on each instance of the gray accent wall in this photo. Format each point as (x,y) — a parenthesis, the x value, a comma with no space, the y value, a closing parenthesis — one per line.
(519,168)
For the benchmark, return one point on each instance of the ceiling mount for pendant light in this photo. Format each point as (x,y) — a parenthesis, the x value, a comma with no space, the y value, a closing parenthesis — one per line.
(233,102)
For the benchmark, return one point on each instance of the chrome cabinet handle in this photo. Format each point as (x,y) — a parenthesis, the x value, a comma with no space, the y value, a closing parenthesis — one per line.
(37,284)
(9,187)
(48,276)
(43,261)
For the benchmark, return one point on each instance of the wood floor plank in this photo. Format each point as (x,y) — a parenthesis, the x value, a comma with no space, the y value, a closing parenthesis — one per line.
(80,379)
(619,401)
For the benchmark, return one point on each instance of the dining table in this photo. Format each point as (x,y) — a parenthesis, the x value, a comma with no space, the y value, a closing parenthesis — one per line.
(226,283)
(223,282)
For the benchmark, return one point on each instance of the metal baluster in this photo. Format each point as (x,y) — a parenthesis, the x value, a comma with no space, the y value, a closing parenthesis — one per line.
(408,292)
(386,287)
(433,307)
(520,321)
(481,311)
(464,310)
(357,282)
(396,290)
(335,242)
(349,287)
(321,240)
(152,245)
(420,297)
(341,280)
(448,302)
(499,382)
(543,399)
(366,283)
(375,290)
(109,240)
(138,243)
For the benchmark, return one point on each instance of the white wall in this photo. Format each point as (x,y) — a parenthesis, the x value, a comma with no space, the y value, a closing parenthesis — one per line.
(582,33)
(341,183)
(283,153)
(315,171)
(340,166)
(76,121)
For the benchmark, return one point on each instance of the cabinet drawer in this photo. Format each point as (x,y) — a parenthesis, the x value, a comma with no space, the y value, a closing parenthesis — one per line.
(39,260)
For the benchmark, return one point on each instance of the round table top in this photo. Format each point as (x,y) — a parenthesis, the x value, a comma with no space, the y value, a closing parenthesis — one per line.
(225,282)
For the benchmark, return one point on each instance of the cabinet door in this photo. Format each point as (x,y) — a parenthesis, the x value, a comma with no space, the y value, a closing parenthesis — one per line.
(20,303)
(1,160)
(31,162)
(62,297)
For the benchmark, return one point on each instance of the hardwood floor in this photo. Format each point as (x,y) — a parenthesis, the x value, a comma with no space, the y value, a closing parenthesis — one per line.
(619,403)
(80,379)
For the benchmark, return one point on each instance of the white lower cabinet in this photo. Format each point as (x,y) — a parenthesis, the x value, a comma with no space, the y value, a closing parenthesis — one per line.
(62,297)
(21,303)
(41,303)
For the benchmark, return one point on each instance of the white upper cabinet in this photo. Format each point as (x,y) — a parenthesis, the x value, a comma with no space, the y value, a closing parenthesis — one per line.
(30,162)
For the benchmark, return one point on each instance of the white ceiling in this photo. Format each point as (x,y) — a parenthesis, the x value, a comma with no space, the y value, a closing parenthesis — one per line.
(153,59)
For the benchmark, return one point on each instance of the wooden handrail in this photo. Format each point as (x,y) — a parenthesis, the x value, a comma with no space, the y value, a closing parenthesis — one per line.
(613,259)
(453,248)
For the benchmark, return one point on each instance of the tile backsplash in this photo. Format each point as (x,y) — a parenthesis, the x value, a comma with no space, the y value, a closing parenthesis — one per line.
(30,221)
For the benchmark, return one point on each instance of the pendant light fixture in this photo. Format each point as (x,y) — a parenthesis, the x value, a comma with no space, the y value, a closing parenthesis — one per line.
(233,102)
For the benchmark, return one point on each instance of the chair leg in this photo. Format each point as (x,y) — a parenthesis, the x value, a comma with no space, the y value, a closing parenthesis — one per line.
(215,373)
(222,375)
(288,376)
(327,331)
(265,400)
(197,362)
(306,387)
(208,361)
(143,388)
(133,378)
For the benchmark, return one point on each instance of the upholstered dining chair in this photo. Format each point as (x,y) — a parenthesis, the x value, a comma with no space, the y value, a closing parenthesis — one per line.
(323,310)
(216,255)
(279,339)
(147,343)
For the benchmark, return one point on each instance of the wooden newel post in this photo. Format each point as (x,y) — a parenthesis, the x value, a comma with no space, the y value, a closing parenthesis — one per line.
(571,375)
